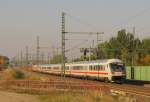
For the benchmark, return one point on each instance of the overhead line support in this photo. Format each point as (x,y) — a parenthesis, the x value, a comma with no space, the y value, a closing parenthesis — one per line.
(63,45)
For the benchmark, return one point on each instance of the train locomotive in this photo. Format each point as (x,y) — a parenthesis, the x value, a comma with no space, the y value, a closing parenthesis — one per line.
(109,70)
(4,62)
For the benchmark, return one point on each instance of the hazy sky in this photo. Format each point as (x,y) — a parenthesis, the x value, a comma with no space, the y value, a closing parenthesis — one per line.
(22,20)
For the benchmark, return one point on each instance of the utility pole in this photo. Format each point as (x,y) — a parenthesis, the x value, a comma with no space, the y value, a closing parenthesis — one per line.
(21,59)
(91,48)
(42,58)
(37,50)
(97,50)
(27,56)
(133,52)
(48,58)
(63,45)
(63,32)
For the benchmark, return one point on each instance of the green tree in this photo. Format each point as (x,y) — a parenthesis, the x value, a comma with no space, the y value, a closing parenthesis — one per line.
(122,46)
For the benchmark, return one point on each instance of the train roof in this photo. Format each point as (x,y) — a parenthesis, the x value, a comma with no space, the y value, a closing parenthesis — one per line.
(87,62)
(97,61)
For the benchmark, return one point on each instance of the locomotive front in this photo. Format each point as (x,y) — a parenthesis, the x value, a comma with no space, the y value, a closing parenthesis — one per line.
(117,69)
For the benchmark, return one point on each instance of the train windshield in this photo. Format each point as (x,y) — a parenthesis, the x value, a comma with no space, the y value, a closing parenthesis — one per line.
(117,67)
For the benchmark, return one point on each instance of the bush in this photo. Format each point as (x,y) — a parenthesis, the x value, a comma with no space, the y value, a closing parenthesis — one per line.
(9,74)
(18,75)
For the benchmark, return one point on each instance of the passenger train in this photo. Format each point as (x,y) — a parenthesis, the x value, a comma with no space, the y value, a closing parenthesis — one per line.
(109,70)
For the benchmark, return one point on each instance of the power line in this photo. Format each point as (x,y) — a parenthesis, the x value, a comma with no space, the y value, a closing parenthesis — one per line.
(82,21)
(133,17)
(76,46)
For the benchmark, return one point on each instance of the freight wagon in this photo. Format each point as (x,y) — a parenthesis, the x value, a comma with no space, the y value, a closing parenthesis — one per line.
(139,73)
(4,61)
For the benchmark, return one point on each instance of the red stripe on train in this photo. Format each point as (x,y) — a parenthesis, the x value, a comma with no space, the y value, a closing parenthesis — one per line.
(104,73)
(79,72)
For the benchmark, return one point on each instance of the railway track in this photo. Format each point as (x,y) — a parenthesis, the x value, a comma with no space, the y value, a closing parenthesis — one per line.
(76,86)
(125,88)
(135,90)
(52,85)
(74,83)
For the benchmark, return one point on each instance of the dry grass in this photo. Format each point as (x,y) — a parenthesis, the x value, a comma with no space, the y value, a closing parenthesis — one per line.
(58,96)
(13,74)
(10,74)
(91,96)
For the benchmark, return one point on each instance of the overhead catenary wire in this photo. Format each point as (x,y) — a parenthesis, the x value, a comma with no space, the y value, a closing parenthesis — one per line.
(129,19)
(76,46)
(82,21)
(87,33)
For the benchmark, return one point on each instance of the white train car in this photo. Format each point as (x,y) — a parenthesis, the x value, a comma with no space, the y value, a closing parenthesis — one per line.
(111,70)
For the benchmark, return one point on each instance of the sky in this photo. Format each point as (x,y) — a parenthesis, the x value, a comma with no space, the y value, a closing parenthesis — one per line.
(21,21)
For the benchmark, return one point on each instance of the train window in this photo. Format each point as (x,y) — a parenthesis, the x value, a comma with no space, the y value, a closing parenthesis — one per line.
(67,67)
(77,67)
(94,67)
(98,67)
(117,67)
(55,68)
(102,68)
(91,67)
